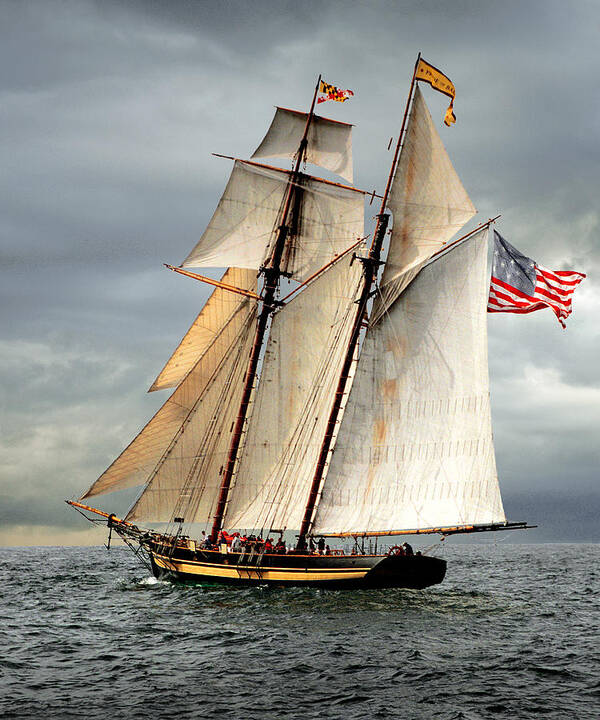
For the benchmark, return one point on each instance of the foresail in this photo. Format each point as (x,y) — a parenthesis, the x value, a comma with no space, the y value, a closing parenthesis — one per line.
(428,202)
(325,219)
(216,313)
(415,450)
(136,463)
(329,141)
(187,479)
(304,355)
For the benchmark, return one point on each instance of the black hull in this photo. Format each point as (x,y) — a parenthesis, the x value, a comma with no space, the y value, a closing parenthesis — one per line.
(325,571)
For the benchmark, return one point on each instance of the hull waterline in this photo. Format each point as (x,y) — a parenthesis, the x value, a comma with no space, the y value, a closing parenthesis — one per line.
(326,571)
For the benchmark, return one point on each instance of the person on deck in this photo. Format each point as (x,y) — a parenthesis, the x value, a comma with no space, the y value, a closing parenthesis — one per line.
(236,543)
(280,546)
(301,546)
(408,549)
(321,545)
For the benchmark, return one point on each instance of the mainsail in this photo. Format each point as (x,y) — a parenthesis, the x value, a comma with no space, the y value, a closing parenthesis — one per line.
(428,202)
(302,363)
(329,141)
(243,228)
(415,447)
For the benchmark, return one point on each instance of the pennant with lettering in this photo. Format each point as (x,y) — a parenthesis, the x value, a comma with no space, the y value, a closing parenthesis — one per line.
(438,81)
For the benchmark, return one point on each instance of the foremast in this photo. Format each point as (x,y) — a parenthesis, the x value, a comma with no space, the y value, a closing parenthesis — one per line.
(370,268)
(272,273)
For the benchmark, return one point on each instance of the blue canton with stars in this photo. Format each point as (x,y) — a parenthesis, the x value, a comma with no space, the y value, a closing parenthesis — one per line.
(513,268)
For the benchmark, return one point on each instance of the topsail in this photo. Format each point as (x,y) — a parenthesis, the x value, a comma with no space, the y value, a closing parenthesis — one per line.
(329,142)
(243,230)
(428,202)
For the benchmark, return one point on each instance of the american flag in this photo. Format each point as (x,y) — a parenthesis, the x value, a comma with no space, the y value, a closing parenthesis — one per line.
(520,285)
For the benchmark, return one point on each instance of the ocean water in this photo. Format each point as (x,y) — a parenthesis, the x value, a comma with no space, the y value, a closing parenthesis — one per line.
(513,632)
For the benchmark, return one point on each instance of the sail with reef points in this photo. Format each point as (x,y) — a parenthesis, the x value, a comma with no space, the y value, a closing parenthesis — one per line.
(415,447)
(302,363)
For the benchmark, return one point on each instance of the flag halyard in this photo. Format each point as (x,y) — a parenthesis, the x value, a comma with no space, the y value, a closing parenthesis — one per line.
(520,285)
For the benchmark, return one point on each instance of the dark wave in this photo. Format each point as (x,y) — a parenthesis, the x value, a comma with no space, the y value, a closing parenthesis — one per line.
(512,633)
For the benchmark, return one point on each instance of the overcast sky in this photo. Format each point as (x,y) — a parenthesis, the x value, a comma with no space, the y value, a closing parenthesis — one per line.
(109,114)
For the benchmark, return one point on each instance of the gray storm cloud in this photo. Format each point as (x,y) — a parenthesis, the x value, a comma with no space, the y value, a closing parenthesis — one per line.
(109,114)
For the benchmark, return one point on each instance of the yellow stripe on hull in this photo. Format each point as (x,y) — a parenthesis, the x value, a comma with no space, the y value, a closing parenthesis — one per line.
(245,572)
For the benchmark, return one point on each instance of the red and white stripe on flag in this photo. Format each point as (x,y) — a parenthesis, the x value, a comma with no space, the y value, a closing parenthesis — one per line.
(552,289)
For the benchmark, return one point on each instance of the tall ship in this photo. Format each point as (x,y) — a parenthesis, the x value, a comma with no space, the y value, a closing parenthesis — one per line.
(334,387)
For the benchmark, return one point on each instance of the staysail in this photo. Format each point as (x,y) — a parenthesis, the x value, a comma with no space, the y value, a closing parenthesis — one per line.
(302,363)
(428,202)
(241,232)
(415,450)
(186,480)
(136,463)
(220,307)
(329,141)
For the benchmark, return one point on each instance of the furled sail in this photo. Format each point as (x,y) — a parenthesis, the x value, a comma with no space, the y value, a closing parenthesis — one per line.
(219,309)
(303,359)
(329,141)
(136,463)
(428,202)
(187,479)
(325,219)
(415,450)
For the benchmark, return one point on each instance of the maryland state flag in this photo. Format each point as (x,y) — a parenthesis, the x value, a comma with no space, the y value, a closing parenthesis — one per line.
(330,92)
(438,81)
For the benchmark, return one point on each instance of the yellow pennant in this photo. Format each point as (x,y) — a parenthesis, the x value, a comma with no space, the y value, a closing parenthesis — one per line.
(440,82)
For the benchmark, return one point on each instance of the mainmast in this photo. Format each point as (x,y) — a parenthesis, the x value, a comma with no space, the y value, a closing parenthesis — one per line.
(370,267)
(272,273)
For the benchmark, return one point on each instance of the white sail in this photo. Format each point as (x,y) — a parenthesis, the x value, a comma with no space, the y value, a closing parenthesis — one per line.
(329,141)
(325,220)
(428,202)
(135,464)
(187,480)
(303,359)
(219,309)
(415,446)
